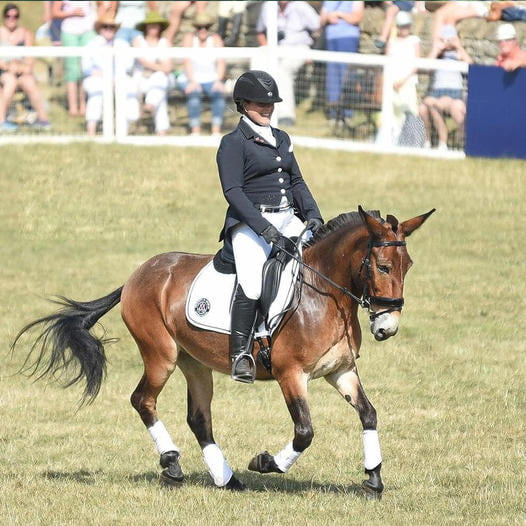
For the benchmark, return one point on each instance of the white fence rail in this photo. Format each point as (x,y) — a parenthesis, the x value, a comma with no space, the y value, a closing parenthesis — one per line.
(114,127)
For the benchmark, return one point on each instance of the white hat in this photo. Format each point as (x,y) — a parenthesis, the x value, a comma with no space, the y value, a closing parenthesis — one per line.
(506,32)
(403,18)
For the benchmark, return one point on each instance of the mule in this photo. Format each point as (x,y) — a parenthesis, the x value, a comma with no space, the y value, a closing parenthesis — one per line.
(356,259)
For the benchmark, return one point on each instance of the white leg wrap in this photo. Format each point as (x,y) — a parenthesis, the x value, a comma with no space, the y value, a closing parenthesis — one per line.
(217,465)
(161,437)
(371,449)
(286,457)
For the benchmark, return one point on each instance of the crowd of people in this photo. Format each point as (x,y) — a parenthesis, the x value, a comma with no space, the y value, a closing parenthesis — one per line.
(332,25)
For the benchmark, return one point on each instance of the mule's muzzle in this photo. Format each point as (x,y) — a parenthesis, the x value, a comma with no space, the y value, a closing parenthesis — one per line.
(385,325)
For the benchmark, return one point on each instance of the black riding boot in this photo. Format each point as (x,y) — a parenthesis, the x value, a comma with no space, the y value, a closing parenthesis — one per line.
(242,337)
(232,39)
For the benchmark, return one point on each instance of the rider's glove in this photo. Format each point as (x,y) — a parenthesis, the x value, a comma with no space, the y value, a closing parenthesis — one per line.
(271,234)
(314,224)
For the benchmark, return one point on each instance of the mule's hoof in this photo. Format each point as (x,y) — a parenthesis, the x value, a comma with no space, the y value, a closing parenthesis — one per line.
(234,484)
(172,474)
(374,485)
(264,463)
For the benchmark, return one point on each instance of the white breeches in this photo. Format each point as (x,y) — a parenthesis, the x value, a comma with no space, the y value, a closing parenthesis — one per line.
(155,89)
(251,251)
(93,86)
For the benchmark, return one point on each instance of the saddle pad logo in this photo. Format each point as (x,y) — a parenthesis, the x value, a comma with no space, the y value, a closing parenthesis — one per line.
(202,307)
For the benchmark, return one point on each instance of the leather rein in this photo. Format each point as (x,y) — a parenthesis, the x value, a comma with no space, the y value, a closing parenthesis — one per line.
(366,300)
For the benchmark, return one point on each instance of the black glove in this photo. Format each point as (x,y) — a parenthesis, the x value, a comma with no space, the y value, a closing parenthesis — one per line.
(271,234)
(314,224)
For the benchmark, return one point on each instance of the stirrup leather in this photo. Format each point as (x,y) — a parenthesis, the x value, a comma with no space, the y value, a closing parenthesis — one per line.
(246,377)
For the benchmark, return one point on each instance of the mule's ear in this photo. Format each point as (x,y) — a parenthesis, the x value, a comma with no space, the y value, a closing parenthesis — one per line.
(409,226)
(373,225)
(392,221)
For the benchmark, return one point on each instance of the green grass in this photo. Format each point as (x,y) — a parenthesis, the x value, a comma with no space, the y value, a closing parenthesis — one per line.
(449,389)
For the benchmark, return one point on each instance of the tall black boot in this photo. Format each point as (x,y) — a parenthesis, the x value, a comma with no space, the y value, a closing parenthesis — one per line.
(242,337)
(232,39)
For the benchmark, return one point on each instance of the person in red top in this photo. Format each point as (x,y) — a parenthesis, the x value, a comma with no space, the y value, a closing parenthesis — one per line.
(511,55)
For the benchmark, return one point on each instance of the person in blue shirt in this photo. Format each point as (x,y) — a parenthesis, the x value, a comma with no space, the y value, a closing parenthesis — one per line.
(267,198)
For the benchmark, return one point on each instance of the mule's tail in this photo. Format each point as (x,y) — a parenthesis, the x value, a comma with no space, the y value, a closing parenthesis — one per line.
(65,349)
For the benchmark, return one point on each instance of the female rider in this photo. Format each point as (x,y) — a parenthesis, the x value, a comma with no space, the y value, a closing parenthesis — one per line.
(267,198)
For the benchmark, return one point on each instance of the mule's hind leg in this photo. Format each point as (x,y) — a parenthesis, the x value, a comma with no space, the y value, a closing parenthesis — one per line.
(349,386)
(199,417)
(159,362)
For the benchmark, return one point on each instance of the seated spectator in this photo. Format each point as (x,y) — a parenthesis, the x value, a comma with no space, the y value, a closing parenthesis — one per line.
(511,56)
(129,13)
(342,33)
(297,21)
(447,92)
(404,49)
(18,73)
(177,11)
(507,11)
(230,11)
(93,70)
(392,9)
(154,76)
(204,76)
(453,12)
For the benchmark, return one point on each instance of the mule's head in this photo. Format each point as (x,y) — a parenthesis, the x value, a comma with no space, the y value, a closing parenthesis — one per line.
(384,268)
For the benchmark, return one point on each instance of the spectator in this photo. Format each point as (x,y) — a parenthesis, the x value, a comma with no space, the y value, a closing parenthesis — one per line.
(55,24)
(297,21)
(230,10)
(342,32)
(453,12)
(18,73)
(511,56)
(392,9)
(507,11)
(447,92)
(154,76)
(92,67)
(204,75)
(129,13)
(404,49)
(77,30)
(177,11)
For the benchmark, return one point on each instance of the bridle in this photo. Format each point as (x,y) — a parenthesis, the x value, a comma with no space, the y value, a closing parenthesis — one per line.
(391,304)
(366,300)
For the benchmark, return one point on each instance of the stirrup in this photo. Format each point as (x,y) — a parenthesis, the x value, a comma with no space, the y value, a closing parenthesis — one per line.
(244,377)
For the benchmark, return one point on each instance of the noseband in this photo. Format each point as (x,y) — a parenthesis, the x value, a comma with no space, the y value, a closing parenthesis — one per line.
(390,304)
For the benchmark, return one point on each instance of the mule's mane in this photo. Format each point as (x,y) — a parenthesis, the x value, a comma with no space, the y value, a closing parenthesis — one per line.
(349,219)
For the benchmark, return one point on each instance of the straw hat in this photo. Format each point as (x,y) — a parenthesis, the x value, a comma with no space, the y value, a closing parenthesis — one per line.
(152,17)
(202,19)
(106,20)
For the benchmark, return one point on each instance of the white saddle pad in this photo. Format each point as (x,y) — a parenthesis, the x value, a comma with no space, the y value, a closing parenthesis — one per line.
(209,301)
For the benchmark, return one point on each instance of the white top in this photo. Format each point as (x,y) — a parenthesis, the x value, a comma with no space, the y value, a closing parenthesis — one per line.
(141,42)
(403,53)
(444,79)
(264,131)
(130,13)
(77,25)
(91,65)
(204,69)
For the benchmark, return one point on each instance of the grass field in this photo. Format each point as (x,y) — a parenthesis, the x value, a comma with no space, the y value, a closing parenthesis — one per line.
(449,388)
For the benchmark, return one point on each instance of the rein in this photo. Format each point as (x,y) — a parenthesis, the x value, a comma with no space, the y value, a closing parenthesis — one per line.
(366,300)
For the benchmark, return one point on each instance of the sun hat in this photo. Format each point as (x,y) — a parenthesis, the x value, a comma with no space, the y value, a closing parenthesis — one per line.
(106,20)
(403,18)
(202,19)
(152,17)
(506,32)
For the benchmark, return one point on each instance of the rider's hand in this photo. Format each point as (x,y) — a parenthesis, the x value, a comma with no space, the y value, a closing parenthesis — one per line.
(271,234)
(314,224)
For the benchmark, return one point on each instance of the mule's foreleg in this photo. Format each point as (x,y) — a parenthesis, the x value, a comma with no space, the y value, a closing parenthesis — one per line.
(199,418)
(349,386)
(294,390)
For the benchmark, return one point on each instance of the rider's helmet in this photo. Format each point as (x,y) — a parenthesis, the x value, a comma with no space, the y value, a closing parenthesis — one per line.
(255,86)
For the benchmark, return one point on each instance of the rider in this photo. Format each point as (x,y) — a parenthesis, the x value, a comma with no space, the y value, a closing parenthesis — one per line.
(267,197)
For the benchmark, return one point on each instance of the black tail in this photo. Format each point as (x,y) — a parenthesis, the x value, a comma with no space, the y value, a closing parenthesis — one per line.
(68,330)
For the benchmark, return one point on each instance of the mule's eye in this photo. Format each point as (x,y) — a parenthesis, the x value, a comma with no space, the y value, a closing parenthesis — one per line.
(384,269)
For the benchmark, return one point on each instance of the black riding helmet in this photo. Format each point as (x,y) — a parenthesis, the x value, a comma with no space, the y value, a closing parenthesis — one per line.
(255,86)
